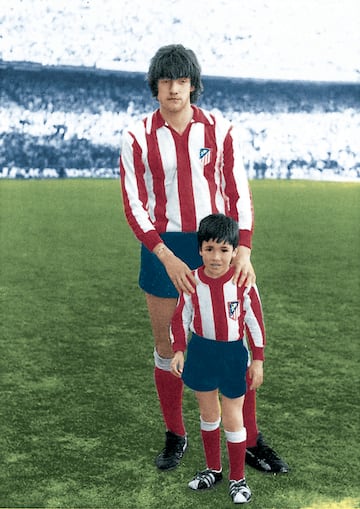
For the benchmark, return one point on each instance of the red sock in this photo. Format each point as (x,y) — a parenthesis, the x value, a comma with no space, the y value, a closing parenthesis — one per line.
(212,448)
(249,414)
(236,452)
(170,391)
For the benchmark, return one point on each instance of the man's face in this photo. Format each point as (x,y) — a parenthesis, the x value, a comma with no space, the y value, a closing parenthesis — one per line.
(174,95)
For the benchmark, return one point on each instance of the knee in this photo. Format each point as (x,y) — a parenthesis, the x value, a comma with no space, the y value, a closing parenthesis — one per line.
(232,414)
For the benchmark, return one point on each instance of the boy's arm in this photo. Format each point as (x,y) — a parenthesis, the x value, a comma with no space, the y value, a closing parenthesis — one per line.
(179,326)
(255,331)
(177,364)
(254,323)
(179,330)
(256,374)
(180,323)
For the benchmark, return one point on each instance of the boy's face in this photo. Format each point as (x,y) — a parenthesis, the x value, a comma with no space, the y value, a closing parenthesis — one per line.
(216,257)
(174,95)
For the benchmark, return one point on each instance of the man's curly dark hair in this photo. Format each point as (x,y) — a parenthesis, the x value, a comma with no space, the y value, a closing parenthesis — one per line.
(173,62)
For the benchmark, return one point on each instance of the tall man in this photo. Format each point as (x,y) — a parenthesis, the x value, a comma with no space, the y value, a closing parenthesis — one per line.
(178,165)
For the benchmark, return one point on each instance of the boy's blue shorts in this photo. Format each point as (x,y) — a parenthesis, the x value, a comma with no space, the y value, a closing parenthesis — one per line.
(153,277)
(211,365)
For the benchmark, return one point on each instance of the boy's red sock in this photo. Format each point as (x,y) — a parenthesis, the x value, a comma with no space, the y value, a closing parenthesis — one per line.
(212,448)
(170,391)
(236,446)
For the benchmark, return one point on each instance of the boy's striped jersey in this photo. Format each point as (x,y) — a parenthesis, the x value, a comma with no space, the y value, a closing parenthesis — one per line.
(220,310)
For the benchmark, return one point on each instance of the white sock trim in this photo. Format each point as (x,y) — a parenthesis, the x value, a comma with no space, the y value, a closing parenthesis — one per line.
(209,426)
(161,363)
(236,436)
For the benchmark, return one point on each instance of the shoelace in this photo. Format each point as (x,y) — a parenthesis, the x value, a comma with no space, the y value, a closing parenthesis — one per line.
(239,487)
(207,477)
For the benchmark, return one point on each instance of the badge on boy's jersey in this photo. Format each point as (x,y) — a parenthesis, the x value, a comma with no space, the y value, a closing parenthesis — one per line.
(234,309)
(205,154)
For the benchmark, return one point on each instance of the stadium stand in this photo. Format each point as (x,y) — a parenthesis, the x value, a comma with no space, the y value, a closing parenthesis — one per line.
(67,121)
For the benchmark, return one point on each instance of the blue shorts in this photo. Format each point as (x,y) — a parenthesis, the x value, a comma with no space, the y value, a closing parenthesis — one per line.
(211,365)
(153,277)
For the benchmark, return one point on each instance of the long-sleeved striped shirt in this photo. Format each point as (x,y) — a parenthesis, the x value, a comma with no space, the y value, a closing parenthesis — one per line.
(171,181)
(221,311)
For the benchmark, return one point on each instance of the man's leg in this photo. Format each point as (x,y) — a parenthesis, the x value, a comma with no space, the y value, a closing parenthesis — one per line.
(169,387)
(258,454)
(249,414)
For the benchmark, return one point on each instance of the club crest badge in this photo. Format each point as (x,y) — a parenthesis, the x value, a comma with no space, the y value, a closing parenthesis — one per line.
(234,309)
(205,155)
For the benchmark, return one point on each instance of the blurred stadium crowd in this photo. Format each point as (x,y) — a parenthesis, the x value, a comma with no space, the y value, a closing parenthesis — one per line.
(68,123)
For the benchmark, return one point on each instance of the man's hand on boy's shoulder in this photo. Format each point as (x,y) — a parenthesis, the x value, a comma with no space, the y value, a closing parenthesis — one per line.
(244,271)
(180,274)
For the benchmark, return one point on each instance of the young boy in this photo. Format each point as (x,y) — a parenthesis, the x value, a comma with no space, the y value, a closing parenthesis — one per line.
(218,314)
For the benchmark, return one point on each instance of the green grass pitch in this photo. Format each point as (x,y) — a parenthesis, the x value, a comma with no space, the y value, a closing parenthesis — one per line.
(80,421)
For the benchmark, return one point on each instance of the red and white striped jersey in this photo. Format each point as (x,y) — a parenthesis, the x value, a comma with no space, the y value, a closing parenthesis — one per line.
(221,311)
(171,181)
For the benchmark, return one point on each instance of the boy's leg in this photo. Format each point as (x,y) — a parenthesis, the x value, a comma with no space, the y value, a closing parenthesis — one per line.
(236,446)
(235,432)
(210,428)
(210,434)
(169,388)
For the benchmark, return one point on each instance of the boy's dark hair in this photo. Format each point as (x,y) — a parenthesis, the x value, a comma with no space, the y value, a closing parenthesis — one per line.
(174,62)
(220,228)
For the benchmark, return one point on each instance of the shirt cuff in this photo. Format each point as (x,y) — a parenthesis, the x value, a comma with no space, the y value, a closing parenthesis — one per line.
(245,238)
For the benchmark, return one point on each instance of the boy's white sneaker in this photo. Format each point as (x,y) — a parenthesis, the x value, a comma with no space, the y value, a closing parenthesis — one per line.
(205,480)
(239,492)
